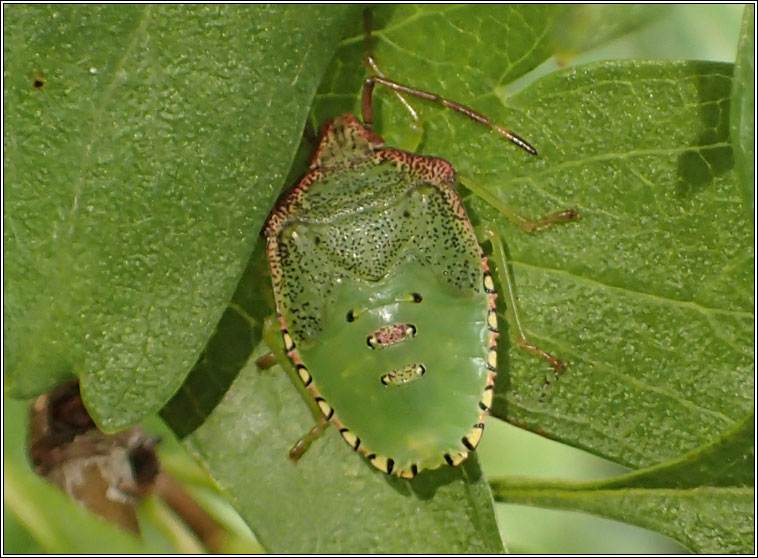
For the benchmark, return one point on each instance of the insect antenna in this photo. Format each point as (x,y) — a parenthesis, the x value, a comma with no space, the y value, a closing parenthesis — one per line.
(368,110)
(370,62)
(399,88)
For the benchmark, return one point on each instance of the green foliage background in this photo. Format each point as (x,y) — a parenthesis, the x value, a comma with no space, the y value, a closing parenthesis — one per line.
(137,179)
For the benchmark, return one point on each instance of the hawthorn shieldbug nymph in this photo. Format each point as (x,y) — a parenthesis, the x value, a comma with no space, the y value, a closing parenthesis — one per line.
(384,295)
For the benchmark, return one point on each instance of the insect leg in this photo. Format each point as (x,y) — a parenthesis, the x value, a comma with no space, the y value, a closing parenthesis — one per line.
(525,223)
(272,336)
(302,445)
(511,307)
(531,225)
(266,361)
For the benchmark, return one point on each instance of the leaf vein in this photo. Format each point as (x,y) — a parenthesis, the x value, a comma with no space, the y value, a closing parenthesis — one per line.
(688,304)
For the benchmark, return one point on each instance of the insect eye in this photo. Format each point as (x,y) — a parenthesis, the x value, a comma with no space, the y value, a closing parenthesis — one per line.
(417,297)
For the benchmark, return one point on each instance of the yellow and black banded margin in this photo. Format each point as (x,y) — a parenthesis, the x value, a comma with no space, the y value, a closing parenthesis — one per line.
(456,459)
(485,403)
(352,440)
(289,344)
(492,321)
(471,440)
(326,409)
(492,359)
(489,285)
(384,464)
(305,376)
(409,473)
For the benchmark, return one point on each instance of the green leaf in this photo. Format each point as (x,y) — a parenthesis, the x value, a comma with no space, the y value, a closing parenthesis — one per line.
(705,500)
(433,44)
(476,49)
(650,295)
(144,146)
(16,538)
(708,520)
(725,462)
(622,142)
(331,500)
(742,113)
(585,26)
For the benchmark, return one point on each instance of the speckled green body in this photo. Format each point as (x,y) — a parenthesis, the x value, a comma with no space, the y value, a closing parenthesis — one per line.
(385,300)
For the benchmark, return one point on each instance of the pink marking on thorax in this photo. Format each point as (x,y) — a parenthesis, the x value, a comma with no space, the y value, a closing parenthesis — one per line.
(391,334)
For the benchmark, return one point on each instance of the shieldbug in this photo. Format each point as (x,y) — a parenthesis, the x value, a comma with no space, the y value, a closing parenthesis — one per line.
(384,295)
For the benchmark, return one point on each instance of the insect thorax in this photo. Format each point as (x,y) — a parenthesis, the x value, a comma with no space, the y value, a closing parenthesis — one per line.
(361,225)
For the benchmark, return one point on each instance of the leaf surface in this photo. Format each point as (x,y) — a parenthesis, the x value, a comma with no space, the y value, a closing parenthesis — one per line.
(705,500)
(650,295)
(742,113)
(156,145)
(136,180)
(622,142)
